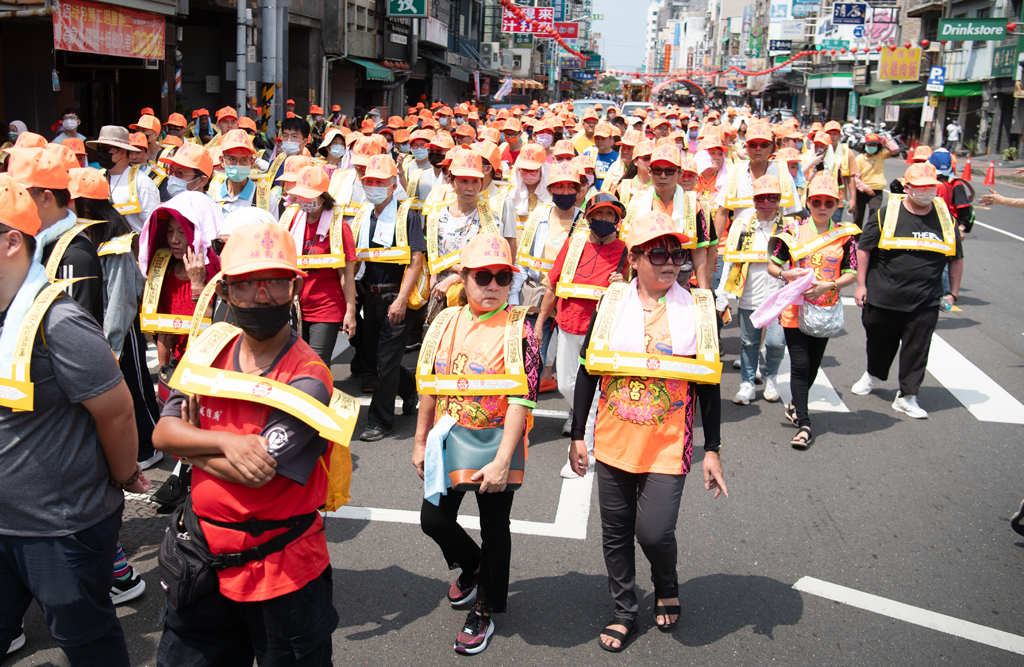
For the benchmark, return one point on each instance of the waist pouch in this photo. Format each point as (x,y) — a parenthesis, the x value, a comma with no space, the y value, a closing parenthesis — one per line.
(468,450)
(188,570)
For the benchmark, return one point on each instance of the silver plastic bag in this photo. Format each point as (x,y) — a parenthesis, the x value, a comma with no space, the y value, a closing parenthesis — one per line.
(821,321)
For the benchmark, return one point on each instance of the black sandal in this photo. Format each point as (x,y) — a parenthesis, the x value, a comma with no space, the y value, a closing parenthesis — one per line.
(666,610)
(791,414)
(631,626)
(802,439)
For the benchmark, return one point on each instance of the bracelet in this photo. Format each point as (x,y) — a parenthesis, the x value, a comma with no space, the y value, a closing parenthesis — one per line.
(130,481)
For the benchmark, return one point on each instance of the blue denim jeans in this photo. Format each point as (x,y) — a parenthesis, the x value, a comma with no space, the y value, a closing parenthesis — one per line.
(750,338)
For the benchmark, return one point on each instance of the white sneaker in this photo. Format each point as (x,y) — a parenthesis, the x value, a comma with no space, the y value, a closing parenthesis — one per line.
(736,363)
(865,384)
(744,395)
(18,642)
(129,589)
(151,461)
(771,389)
(908,405)
(568,473)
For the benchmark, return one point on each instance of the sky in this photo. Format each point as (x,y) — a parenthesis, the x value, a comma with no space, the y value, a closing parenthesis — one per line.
(622,32)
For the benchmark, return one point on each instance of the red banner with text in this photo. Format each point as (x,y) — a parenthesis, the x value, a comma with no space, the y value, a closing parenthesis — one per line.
(112,31)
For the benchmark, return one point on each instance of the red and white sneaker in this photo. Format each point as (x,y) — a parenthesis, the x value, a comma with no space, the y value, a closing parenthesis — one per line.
(475,635)
(462,591)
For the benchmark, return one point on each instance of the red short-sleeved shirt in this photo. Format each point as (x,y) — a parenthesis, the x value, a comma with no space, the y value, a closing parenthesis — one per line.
(596,263)
(176,299)
(322,299)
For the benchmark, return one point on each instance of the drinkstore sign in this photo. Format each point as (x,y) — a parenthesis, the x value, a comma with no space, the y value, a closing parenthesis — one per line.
(972,30)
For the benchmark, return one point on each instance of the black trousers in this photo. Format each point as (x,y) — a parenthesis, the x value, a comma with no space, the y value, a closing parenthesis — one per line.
(140,385)
(322,337)
(805,353)
(70,577)
(866,205)
(644,507)
(385,343)
(292,630)
(493,557)
(886,329)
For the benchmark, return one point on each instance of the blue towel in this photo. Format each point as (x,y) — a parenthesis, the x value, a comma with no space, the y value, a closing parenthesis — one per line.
(435,473)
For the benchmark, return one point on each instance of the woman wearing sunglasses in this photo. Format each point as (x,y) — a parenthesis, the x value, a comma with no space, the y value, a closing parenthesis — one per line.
(651,351)
(745,276)
(830,250)
(482,423)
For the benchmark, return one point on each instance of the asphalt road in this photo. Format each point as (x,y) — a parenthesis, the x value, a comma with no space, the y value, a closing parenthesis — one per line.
(914,512)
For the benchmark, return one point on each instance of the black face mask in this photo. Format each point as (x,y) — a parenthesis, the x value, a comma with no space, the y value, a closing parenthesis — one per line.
(601,228)
(564,202)
(263,322)
(105,159)
(435,159)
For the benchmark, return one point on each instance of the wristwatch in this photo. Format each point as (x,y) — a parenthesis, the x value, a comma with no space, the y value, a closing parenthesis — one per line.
(129,482)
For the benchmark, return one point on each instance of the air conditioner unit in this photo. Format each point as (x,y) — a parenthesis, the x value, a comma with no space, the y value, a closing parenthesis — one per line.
(490,52)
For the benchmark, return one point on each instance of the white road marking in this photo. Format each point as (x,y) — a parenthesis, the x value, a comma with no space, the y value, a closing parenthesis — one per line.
(822,396)
(571,517)
(915,615)
(1001,231)
(971,386)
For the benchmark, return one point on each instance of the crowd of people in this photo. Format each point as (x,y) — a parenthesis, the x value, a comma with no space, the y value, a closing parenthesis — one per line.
(520,251)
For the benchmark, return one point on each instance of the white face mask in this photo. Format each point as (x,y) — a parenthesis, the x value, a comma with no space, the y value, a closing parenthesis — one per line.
(391,146)
(175,185)
(309,206)
(403,148)
(459,120)
(530,177)
(443,120)
(420,154)
(590,179)
(544,139)
(290,147)
(921,196)
(70,124)
(337,151)
(376,195)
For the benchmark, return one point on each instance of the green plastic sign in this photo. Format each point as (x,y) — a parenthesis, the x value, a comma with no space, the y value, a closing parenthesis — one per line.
(971,30)
(409,9)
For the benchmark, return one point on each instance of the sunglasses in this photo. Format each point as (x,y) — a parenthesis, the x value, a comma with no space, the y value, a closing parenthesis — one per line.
(758,145)
(767,198)
(484,278)
(664,171)
(660,256)
(821,202)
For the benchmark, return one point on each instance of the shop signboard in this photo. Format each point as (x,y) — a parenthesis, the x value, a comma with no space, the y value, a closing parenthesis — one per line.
(88,27)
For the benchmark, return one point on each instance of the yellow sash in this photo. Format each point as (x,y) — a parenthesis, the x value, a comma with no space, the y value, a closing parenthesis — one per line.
(201,305)
(512,382)
(399,253)
(16,387)
(684,210)
(261,199)
(157,174)
(602,360)
(567,288)
(335,422)
(732,199)
(132,205)
(119,245)
(149,319)
(744,229)
(62,245)
(340,189)
(275,165)
(336,259)
(947,246)
(488,225)
(798,251)
(413,191)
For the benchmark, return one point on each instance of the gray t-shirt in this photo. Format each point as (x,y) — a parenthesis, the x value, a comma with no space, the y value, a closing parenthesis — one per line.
(55,477)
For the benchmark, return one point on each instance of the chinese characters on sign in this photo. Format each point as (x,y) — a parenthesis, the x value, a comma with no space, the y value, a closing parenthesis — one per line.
(90,28)
(408,8)
(900,65)
(568,30)
(542,15)
(1004,61)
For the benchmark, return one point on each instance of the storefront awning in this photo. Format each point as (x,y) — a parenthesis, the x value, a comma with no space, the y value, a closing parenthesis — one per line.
(965,89)
(900,90)
(460,74)
(917,101)
(374,72)
(434,59)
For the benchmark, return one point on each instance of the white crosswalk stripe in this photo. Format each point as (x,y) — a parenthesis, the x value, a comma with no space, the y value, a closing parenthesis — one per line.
(822,396)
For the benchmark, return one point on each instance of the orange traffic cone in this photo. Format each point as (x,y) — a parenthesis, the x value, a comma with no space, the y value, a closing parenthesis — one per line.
(990,175)
(910,155)
(967,171)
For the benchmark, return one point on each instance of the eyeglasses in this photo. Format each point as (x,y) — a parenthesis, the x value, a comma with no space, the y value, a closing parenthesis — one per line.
(821,202)
(767,198)
(660,256)
(664,171)
(758,145)
(277,289)
(484,278)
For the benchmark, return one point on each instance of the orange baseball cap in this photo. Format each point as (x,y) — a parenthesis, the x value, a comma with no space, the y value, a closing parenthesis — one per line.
(336,107)
(631,138)
(314,110)
(787,155)
(191,156)
(313,181)
(533,156)
(465,130)
(138,139)
(147,122)
(30,140)
(603,130)
(77,146)
(759,131)
(689,165)
(442,140)
(921,174)
(292,166)
(65,155)
(236,139)
(667,152)
(644,148)
(396,122)
(37,168)
(291,102)
(421,135)
(87,183)
(563,148)
(488,151)
(657,122)
(177,120)
(711,140)
(490,134)
(226,112)
(467,164)
(259,247)
(512,125)
(590,114)
(823,184)
(485,250)
(380,166)
(564,172)
(364,150)
(402,136)
(17,209)
(833,126)
(169,140)
(767,185)
(922,153)
(246,123)
(651,226)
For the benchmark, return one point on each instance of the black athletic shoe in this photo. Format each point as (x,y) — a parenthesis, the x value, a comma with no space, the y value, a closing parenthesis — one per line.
(373,433)
(1017,520)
